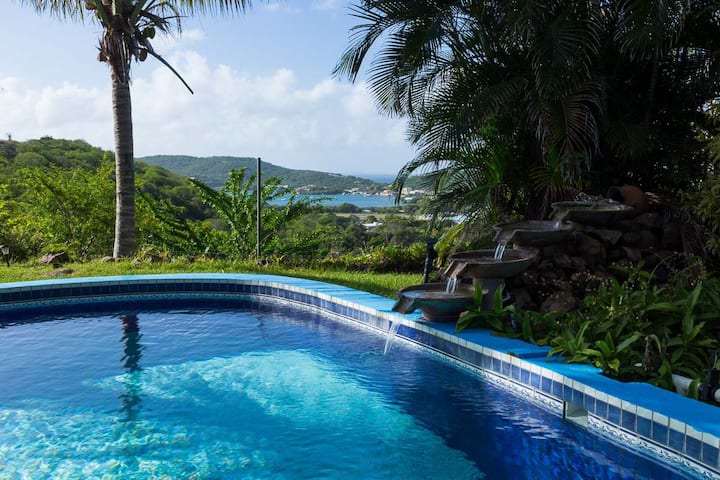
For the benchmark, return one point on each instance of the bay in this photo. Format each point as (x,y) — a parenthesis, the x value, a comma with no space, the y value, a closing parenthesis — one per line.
(360,201)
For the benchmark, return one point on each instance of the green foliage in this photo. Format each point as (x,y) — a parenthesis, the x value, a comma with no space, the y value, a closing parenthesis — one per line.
(68,209)
(512,105)
(678,321)
(632,330)
(572,343)
(383,258)
(236,204)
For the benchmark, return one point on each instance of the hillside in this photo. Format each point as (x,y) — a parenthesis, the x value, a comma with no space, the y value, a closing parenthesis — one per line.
(214,170)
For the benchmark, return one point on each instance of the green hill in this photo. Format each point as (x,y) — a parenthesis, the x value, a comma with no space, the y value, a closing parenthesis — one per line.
(214,171)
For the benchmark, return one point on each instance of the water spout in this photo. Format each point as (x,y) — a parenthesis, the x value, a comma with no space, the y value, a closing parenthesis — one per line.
(392,331)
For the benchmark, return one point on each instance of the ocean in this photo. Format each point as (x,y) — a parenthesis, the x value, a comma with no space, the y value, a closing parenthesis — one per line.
(360,201)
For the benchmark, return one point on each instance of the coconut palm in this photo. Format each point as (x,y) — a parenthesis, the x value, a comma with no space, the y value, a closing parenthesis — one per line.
(129,26)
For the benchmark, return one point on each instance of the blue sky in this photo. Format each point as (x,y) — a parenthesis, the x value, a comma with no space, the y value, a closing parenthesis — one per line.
(263,87)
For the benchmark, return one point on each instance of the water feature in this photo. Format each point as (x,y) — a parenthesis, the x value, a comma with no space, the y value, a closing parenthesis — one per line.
(488,268)
(438,301)
(392,331)
(451,285)
(500,250)
(532,233)
(598,213)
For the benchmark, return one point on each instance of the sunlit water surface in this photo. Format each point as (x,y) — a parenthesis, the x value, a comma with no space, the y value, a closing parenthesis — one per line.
(267,393)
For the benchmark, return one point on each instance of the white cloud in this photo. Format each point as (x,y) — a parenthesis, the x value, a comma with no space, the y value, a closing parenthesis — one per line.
(164,43)
(326,125)
(326,4)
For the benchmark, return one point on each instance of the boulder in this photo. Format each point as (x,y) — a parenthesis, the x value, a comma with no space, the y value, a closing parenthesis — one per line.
(55,259)
(559,302)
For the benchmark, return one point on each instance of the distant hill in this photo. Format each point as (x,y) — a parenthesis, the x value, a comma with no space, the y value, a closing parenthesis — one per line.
(213,171)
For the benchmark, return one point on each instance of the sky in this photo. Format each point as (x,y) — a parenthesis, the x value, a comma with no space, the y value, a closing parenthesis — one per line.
(263,87)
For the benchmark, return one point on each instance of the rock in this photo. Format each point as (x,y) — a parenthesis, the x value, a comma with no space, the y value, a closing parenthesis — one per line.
(648,240)
(627,225)
(615,254)
(591,249)
(586,282)
(523,300)
(633,254)
(60,272)
(563,260)
(55,259)
(672,236)
(649,220)
(579,263)
(559,302)
(608,237)
(631,239)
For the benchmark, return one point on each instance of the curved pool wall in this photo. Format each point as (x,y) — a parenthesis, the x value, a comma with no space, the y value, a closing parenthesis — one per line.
(676,428)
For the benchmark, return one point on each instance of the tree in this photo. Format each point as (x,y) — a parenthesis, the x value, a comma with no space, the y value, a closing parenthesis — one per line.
(519,101)
(68,209)
(236,204)
(129,26)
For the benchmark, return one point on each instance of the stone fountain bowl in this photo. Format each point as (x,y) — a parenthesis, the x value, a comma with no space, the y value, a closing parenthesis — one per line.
(533,233)
(435,304)
(598,213)
(482,264)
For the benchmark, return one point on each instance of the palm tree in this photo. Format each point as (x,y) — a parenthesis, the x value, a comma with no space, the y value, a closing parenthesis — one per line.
(480,81)
(537,97)
(128,29)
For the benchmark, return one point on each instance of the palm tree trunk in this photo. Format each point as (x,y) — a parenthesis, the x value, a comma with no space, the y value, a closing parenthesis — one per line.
(124,170)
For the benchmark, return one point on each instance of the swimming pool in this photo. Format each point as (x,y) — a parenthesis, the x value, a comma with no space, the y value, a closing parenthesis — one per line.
(144,387)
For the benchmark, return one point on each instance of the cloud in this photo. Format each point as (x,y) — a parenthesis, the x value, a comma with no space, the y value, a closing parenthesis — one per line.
(326,4)
(324,125)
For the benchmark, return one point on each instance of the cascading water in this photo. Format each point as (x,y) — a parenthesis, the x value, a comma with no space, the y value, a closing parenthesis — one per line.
(499,250)
(392,331)
(451,285)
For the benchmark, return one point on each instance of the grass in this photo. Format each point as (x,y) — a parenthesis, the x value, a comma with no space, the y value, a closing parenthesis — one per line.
(384,284)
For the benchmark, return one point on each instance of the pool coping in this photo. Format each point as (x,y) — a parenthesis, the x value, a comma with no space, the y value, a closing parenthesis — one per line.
(667,423)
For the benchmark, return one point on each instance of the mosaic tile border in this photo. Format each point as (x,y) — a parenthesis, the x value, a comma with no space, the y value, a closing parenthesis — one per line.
(567,389)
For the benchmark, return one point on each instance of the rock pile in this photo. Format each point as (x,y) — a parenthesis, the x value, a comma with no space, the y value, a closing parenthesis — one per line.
(564,273)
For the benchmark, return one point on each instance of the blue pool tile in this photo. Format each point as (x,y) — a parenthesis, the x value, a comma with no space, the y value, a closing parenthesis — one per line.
(534,380)
(525,376)
(614,414)
(627,420)
(487,362)
(465,354)
(546,384)
(693,447)
(515,372)
(577,397)
(505,369)
(710,455)
(589,403)
(496,364)
(557,389)
(660,433)
(644,427)
(676,440)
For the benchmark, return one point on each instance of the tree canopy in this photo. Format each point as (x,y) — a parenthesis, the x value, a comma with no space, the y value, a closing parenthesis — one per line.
(513,104)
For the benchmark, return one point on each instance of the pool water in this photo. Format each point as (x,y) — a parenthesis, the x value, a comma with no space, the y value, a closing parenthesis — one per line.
(265,391)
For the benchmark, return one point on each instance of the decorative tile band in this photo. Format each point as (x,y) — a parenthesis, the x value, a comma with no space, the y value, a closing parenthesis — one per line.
(606,408)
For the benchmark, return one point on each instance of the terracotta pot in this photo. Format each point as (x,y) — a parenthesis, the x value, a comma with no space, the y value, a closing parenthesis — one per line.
(631,196)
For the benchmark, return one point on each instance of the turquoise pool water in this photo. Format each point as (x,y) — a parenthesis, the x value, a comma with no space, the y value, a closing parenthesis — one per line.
(261,390)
